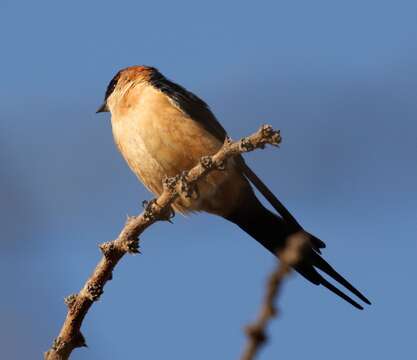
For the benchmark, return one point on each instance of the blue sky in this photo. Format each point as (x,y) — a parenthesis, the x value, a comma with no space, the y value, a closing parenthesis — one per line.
(338,78)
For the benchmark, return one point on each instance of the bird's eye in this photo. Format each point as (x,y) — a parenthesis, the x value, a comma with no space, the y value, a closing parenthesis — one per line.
(112,86)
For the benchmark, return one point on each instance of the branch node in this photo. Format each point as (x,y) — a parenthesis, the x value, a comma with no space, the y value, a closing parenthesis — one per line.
(206,162)
(107,249)
(132,246)
(149,213)
(270,135)
(256,333)
(70,300)
(170,183)
(246,145)
(187,188)
(227,142)
(79,340)
(94,291)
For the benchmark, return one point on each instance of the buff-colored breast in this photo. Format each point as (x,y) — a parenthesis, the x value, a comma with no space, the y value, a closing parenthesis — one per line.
(157,139)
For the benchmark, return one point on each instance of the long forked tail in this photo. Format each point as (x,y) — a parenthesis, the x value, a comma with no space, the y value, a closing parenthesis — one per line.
(314,260)
(271,231)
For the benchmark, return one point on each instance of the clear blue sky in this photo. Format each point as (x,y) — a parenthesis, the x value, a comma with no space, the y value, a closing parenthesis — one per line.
(338,78)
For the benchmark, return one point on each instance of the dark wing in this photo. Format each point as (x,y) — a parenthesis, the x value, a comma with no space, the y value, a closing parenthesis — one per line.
(198,110)
(189,103)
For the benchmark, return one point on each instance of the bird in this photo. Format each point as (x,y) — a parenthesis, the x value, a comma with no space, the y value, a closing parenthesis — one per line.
(162,129)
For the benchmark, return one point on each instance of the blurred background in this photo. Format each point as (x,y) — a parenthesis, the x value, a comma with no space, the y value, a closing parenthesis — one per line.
(338,78)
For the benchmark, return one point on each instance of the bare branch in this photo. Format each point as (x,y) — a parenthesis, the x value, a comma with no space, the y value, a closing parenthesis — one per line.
(256,332)
(70,336)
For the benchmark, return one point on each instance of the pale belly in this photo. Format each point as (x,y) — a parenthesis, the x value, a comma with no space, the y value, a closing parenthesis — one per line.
(165,143)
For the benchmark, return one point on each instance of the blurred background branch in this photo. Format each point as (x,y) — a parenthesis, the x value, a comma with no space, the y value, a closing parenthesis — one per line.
(256,332)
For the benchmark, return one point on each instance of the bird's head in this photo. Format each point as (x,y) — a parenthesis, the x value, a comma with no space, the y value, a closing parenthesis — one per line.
(124,80)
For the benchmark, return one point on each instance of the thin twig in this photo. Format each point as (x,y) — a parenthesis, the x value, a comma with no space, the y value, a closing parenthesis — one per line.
(70,336)
(256,332)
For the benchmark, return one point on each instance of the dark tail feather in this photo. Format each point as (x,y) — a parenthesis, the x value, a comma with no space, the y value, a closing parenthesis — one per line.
(272,231)
(336,291)
(324,266)
(313,276)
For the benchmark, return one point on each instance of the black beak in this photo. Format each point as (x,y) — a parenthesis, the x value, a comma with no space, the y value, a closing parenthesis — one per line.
(102,108)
